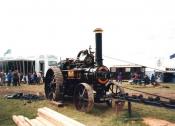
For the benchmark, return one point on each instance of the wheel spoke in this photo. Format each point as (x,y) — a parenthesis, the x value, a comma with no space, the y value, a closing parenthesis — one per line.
(83,93)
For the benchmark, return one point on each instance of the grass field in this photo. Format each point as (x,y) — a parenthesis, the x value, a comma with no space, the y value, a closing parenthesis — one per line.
(101,115)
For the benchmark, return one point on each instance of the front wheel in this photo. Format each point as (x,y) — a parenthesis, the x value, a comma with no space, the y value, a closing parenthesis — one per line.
(84,97)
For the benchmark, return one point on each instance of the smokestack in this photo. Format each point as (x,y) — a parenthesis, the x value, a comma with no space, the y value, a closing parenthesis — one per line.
(98,55)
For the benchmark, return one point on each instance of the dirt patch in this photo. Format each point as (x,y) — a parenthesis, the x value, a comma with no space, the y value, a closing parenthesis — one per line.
(33,89)
(157,122)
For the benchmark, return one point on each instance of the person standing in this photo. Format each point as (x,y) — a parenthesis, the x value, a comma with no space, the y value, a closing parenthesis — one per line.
(15,78)
(38,78)
(119,78)
(146,80)
(9,78)
(3,78)
(152,79)
(21,77)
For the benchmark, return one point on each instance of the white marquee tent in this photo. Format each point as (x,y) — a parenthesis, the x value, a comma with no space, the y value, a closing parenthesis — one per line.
(27,64)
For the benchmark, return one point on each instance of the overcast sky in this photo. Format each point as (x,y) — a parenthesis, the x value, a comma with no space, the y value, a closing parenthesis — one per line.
(134,30)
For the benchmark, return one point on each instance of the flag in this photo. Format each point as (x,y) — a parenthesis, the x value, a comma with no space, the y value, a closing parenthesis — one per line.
(172,56)
(9,51)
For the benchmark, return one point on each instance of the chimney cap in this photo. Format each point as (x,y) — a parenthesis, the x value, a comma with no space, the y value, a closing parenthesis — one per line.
(98,30)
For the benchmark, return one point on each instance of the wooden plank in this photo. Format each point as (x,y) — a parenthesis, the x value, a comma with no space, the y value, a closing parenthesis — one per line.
(44,121)
(63,117)
(17,121)
(22,118)
(33,122)
(37,123)
(29,121)
(59,118)
(47,117)
(56,103)
(44,114)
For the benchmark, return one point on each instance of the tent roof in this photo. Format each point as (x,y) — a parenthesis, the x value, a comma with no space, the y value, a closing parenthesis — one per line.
(16,59)
(129,65)
(29,58)
(6,60)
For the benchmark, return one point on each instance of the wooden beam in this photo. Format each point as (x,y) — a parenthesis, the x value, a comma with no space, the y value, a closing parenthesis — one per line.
(56,103)
(44,121)
(36,122)
(51,118)
(47,117)
(22,118)
(18,121)
(29,121)
(63,117)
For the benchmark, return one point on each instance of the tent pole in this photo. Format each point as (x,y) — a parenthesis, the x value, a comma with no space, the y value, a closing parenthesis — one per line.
(13,65)
(5,65)
(27,67)
(2,66)
(20,66)
(17,65)
(23,68)
(31,66)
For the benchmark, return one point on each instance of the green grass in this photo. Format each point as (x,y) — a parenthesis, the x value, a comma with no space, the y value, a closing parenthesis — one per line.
(10,107)
(101,115)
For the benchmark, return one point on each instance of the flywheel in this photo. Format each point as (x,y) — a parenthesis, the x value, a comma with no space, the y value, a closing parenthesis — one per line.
(116,90)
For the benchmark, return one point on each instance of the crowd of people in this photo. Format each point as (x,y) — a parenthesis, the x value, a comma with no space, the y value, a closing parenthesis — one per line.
(136,78)
(15,78)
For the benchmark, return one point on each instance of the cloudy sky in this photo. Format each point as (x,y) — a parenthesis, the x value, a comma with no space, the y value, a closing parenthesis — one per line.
(138,31)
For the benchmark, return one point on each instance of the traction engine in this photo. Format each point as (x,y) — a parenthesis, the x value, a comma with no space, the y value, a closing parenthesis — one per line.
(85,79)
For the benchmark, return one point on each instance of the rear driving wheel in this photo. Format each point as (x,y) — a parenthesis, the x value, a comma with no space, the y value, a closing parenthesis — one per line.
(53,83)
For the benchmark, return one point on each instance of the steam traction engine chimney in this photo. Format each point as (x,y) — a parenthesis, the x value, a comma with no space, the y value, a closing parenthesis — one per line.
(98,55)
